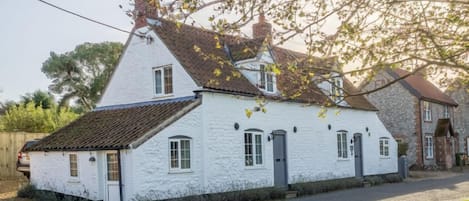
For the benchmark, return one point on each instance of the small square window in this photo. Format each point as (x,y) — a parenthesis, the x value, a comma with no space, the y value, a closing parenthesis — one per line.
(180,153)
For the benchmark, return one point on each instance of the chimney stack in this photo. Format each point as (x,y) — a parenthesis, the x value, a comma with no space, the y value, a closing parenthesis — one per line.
(262,29)
(142,11)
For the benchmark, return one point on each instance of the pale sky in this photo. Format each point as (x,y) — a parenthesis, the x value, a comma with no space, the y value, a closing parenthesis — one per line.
(31,30)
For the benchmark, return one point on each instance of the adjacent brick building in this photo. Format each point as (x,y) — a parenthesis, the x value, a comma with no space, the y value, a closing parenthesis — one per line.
(418,114)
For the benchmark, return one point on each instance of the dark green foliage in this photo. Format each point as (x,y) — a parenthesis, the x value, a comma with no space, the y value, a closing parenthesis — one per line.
(381,179)
(27,191)
(402,148)
(310,188)
(246,195)
(82,74)
(39,98)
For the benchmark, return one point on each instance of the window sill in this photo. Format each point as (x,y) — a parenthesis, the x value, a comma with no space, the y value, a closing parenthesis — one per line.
(254,167)
(343,159)
(384,157)
(74,181)
(180,171)
(162,96)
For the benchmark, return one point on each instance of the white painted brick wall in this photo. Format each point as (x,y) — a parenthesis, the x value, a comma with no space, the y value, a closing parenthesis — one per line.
(132,80)
(51,170)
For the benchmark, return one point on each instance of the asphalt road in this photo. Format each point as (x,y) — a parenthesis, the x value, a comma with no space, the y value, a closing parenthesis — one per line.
(450,188)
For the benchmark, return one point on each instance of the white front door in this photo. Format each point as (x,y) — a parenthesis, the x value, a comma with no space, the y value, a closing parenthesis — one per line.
(112,177)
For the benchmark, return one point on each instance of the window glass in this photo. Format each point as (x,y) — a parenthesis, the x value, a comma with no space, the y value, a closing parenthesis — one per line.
(342,144)
(180,153)
(384,147)
(163,80)
(253,149)
(112,167)
(429,147)
(73,165)
(168,80)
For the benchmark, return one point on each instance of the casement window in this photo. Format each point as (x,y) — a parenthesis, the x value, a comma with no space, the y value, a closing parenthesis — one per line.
(73,158)
(163,79)
(336,93)
(427,111)
(384,147)
(428,147)
(112,167)
(266,79)
(342,145)
(180,153)
(445,111)
(253,149)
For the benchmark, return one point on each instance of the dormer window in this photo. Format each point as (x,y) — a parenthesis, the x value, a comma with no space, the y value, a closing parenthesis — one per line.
(336,93)
(266,79)
(163,76)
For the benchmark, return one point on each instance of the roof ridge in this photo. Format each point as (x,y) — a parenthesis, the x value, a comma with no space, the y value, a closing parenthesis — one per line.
(142,104)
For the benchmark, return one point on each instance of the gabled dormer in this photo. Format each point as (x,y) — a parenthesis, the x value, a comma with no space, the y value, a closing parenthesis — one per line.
(333,87)
(258,71)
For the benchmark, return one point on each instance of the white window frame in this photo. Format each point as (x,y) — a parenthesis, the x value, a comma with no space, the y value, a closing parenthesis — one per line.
(256,147)
(342,151)
(445,111)
(179,159)
(263,77)
(70,165)
(429,150)
(427,111)
(162,69)
(384,147)
(336,91)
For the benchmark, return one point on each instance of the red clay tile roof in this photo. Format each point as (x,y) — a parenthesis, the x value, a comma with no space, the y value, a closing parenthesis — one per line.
(112,128)
(202,63)
(421,88)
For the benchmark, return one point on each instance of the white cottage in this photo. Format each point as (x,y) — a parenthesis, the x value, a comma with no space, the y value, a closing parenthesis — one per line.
(167,126)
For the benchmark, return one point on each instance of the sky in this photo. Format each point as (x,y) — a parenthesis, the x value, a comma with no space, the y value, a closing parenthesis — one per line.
(31,30)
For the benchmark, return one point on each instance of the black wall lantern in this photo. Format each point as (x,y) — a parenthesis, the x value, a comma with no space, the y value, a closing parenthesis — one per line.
(295,129)
(92,159)
(329,126)
(236,126)
(366,129)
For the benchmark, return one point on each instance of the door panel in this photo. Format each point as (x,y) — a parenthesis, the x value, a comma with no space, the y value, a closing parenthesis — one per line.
(357,144)
(280,161)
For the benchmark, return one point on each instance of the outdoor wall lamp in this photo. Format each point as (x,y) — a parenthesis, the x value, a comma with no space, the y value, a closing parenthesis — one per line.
(236,126)
(295,129)
(270,137)
(329,126)
(92,159)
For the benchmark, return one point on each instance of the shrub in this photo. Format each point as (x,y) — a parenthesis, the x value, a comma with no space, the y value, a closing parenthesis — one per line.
(381,179)
(27,191)
(310,188)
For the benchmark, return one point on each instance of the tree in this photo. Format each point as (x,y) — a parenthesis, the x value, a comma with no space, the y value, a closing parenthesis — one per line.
(39,98)
(82,74)
(369,35)
(30,118)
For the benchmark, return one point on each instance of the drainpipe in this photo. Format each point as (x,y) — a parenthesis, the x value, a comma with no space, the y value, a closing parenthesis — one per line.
(421,133)
(120,174)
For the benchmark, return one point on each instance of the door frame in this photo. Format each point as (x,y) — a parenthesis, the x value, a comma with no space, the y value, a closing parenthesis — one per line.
(283,133)
(361,154)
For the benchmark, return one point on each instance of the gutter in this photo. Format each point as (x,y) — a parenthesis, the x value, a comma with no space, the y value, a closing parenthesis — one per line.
(120,175)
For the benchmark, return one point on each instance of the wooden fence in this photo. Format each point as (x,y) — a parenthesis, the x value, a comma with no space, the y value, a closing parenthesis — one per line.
(10,144)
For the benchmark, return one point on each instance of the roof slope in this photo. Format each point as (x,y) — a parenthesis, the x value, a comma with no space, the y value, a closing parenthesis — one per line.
(184,42)
(114,128)
(421,88)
